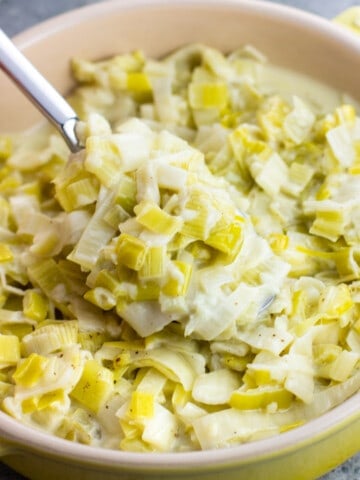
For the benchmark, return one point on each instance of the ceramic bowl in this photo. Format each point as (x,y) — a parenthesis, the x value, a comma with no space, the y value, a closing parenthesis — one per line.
(290,38)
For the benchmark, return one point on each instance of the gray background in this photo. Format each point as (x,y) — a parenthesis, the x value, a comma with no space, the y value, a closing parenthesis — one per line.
(16,15)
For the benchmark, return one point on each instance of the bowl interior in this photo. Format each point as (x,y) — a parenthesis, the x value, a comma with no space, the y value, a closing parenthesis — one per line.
(288,37)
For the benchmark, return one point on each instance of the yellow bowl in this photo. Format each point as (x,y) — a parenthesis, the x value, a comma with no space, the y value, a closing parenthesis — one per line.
(290,38)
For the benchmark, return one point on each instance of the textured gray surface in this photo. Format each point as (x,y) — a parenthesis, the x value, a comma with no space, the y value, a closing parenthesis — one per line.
(16,15)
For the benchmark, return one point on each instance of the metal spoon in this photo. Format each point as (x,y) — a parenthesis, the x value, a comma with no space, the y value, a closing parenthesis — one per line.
(39,91)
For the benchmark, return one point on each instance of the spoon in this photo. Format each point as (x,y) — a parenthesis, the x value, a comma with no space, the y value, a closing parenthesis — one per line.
(43,95)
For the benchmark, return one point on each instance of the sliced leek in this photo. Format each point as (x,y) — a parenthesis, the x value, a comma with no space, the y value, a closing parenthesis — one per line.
(191,279)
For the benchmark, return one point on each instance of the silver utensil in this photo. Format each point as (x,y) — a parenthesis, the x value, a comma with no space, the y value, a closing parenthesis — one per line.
(39,91)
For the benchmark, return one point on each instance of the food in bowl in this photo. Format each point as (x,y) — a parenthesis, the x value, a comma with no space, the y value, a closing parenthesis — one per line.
(190,280)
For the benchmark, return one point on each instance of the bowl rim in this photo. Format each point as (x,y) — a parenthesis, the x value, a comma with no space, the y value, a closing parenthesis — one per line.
(20,437)
(23,437)
(293,15)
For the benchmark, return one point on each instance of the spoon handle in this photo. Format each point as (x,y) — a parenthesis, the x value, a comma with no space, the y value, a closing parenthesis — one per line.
(39,91)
